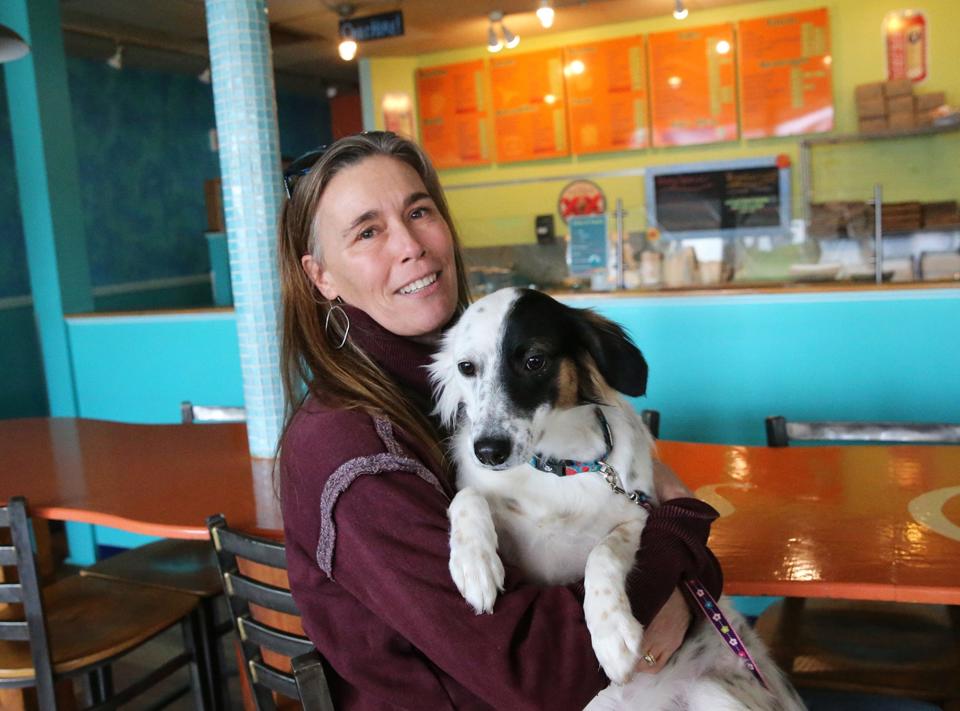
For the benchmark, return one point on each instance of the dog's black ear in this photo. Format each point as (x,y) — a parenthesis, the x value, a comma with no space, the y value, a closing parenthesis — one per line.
(619,361)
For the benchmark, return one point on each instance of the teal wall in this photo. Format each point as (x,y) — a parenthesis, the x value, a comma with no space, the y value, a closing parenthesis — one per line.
(143,154)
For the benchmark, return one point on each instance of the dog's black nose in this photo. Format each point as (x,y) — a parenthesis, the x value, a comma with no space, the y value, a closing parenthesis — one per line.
(492,451)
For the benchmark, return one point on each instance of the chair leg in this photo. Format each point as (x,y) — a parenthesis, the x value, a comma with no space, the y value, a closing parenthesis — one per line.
(210,648)
(197,664)
(788,633)
(99,684)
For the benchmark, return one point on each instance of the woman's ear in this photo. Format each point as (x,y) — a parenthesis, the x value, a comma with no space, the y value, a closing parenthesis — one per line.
(318,276)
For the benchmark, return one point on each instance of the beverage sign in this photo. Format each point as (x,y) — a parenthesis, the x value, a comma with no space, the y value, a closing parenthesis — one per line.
(373,27)
(905,38)
(587,251)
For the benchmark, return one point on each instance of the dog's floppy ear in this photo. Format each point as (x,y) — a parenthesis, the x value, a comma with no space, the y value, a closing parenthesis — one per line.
(443,372)
(619,361)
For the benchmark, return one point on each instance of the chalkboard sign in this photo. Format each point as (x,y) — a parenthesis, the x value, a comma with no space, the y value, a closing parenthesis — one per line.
(731,198)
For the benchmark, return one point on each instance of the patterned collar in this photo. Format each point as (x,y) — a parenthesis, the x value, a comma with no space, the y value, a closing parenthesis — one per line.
(569,467)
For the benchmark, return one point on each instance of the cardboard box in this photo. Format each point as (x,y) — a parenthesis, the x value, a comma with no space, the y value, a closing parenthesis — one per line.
(869,92)
(873,125)
(901,120)
(872,108)
(900,104)
(897,87)
(925,102)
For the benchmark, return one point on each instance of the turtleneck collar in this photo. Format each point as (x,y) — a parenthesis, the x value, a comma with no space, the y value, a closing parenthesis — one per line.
(401,357)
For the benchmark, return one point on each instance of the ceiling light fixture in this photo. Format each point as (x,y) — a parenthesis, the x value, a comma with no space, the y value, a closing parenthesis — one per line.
(348,45)
(545,14)
(510,40)
(116,59)
(12,45)
(679,11)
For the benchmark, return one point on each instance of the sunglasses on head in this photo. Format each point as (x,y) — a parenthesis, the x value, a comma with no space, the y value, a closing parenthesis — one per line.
(300,167)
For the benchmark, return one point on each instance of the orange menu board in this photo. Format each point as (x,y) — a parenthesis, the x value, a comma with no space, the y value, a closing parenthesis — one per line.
(528,106)
(693,86)
(606,86)
(785,76)
(453,114)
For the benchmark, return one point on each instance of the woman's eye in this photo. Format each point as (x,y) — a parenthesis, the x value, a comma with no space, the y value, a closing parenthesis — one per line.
(367,233)
(467,368)
(535,363)
(419,212)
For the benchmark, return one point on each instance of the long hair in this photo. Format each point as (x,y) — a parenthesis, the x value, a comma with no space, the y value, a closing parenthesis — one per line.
(346,378)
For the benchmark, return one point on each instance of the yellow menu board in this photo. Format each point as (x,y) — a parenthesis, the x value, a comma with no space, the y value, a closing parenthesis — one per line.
(528,106)
(606,86)
(693,86)
(785,76)
(453,114)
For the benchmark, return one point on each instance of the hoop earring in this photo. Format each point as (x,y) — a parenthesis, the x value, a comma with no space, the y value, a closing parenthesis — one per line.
(346,329)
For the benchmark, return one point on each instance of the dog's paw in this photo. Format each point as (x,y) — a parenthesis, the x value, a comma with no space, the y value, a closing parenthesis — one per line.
(475,565)
(478,574)
(616,635)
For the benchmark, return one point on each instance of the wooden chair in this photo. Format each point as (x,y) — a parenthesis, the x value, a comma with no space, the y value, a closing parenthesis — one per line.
(78,626)
(279,658)
(184,566)
(781,432)
(894,648)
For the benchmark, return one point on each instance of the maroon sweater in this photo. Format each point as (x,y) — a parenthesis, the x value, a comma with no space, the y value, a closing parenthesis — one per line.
(367,552)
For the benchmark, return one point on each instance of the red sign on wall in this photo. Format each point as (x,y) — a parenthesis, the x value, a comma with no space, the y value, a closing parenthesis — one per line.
(905,37)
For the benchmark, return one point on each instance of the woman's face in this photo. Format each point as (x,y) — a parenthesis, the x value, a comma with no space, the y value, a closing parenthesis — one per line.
(385,248)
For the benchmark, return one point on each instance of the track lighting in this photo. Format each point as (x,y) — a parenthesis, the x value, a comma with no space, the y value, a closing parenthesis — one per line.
(494,43)
(116,59)
(545,14)
(12,45)
(679,11)
(347,49)
(348,44)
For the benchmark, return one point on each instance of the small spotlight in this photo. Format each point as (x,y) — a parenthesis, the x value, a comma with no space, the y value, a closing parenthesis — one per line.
(574,68)
(549,99)
(493,42)
(116,59)
(679,11)
(509,38)
(545,14)
(723,47)
(674,82)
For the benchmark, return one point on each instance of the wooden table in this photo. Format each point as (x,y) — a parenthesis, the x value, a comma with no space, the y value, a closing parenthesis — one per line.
(160,480)
(870,523)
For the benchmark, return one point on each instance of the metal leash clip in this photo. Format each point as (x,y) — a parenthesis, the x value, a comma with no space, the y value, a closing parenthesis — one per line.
(613,480)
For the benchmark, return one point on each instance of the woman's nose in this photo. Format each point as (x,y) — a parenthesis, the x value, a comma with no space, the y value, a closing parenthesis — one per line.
(407,243)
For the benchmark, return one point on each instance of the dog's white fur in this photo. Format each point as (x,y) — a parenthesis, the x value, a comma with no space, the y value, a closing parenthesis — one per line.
(561,529)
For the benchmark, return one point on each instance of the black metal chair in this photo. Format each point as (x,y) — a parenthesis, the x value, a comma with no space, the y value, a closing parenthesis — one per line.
(254,572)
(651,418)
(780,432)
(835,644)
(77,626)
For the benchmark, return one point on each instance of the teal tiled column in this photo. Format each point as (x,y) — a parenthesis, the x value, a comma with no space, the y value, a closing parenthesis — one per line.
(245,106)
(46,167)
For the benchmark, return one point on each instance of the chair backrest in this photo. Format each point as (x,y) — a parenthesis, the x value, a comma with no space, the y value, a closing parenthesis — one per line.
(651,418)
(253,570)
(780,432)
(26,592)
(199,414)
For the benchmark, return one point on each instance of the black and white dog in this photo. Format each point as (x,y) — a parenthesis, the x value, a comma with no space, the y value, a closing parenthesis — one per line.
(528,383)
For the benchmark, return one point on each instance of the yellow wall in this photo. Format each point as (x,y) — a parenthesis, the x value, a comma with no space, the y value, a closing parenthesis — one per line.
(926,168)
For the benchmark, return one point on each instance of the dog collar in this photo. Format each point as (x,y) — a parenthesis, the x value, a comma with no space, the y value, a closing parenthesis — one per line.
(569,467)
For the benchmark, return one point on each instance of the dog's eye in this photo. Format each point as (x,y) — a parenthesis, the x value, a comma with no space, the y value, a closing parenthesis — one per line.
(467,368)
(535,363)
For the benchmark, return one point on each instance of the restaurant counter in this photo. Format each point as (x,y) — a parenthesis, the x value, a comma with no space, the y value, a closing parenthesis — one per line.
(721,359)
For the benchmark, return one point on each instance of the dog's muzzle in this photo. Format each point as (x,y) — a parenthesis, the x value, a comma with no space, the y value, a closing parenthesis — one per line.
(492,451)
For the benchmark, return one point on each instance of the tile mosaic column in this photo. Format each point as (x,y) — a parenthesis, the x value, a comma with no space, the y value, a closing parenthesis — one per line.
(245,105)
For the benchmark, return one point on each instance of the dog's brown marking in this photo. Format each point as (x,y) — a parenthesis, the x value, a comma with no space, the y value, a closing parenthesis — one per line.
(591,385)
(567,384)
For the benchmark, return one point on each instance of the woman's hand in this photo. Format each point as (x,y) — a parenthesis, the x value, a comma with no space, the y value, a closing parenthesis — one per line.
(667,484)
(663,636)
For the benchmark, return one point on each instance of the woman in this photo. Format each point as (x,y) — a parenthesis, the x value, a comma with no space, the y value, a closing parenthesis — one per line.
(371,273)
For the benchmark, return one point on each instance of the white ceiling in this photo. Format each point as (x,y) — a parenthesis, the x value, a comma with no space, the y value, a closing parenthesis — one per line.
(170,35)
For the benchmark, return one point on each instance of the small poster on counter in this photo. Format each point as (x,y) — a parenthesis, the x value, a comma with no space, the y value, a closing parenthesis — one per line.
(587,249)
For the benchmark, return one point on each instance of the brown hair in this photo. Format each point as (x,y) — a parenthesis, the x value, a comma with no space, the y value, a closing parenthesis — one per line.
(346,378)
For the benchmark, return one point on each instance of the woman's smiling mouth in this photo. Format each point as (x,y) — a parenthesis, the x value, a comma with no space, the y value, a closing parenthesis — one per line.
(418,285)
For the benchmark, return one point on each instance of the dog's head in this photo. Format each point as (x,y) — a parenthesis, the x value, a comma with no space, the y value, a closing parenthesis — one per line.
(517,355)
